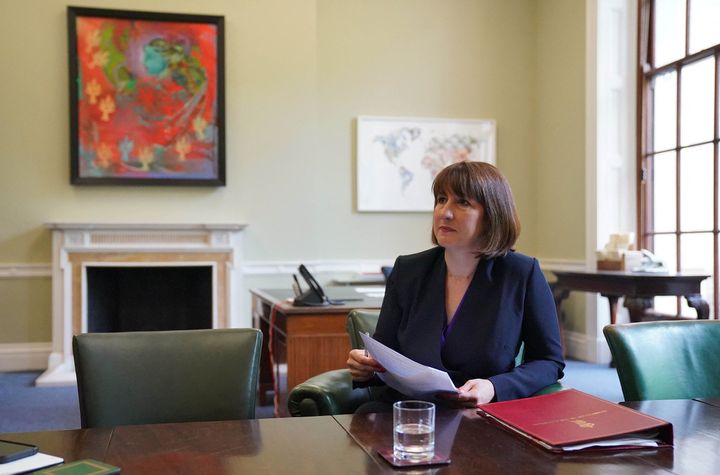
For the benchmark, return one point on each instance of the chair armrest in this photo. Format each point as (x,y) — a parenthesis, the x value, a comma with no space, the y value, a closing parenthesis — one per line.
(553,388)
(326,394)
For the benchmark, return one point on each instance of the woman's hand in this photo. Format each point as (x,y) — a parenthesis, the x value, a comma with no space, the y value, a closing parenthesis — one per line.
(474,392)
(362,367)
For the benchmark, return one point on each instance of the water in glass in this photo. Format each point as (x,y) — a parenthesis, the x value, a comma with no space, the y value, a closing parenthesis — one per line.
(414,442)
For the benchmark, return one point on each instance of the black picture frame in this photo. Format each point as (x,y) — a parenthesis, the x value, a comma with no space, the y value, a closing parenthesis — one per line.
(147,98)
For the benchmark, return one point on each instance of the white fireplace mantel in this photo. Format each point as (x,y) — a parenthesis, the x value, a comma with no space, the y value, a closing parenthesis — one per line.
(79,245)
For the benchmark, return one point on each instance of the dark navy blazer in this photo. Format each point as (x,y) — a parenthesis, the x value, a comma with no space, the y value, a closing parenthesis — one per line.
(508,302)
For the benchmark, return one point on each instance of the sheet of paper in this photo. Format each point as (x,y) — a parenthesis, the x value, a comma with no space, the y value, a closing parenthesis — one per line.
(26,464)
(371,291)
(405,375)
(630,442)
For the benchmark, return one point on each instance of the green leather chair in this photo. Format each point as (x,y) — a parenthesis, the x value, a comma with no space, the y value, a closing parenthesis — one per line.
(166,376)
(332,392)
(666,359)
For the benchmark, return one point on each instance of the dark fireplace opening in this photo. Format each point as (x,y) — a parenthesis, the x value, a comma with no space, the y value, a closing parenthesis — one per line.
(121,299)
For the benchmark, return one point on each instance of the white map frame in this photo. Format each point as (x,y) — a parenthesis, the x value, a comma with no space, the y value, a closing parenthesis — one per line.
(398,157)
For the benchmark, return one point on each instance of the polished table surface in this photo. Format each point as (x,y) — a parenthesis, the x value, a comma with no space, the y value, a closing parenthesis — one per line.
(713,401)
(348,443)
(261,446)
(480,446)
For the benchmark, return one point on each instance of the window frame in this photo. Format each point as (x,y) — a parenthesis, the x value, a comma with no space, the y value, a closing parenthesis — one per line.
(646,72)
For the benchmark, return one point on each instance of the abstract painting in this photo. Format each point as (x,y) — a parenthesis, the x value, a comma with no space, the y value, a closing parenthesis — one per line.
(146,98)
(398,158)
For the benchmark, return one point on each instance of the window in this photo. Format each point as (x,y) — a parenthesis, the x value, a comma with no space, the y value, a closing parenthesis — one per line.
(678,54)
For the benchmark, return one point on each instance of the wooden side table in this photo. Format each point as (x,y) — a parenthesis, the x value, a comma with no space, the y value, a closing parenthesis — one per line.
(638,289)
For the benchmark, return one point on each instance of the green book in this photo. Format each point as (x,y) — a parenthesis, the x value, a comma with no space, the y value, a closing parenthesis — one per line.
(81,467)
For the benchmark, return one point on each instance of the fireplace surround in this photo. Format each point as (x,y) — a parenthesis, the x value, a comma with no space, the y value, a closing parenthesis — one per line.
(80,247)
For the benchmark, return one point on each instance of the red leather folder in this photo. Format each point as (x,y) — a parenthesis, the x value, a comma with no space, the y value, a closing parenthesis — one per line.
(564,419)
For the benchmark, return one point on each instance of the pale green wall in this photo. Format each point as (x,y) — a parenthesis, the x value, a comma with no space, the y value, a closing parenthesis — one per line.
(559,169)
(428,59)
(559,179)
(25,310)
(298,72)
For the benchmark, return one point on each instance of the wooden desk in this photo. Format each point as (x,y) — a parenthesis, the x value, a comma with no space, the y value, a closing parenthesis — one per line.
(347,444)
(306,340)
(638,289)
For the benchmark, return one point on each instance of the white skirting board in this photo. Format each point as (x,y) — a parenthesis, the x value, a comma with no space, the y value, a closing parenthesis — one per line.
(579,346)
(24,356)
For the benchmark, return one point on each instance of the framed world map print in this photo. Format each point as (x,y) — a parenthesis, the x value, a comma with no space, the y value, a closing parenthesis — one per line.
(398,158)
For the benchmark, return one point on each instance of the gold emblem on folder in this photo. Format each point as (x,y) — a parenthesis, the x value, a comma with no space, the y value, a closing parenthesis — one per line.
(583,424)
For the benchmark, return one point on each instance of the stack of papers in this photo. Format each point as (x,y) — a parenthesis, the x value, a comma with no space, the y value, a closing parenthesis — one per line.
(371,291)
(405,375)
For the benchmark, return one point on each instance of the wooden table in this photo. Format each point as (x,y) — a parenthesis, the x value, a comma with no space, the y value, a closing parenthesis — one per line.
(713,401)
(306,341)
(477,445)
(637,288)
(262,446)
(347,444)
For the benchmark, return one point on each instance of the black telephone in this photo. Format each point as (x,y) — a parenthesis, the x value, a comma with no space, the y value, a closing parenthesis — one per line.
(314,296)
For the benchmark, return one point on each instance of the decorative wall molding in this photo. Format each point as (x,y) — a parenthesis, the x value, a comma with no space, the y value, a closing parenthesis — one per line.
(24,356)
(267,268)
(25,271)
(562,264)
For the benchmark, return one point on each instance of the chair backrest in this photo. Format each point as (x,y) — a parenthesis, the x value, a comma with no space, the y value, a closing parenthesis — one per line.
(359,321)
(666,359)
(166,376)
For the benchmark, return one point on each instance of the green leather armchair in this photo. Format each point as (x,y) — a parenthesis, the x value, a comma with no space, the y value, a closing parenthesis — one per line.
(332,392)
(166,376)
(666,359)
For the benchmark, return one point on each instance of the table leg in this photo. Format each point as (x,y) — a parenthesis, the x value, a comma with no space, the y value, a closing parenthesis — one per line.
(261,316)
(612,300)
(560,294)
(637,307)
(700,305)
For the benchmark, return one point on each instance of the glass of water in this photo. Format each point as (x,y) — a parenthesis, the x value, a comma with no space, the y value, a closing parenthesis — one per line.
(414,430)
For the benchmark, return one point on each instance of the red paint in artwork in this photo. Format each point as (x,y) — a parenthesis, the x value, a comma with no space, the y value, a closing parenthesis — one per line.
(147,98)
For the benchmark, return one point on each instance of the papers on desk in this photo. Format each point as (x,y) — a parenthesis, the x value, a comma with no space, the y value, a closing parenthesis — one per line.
(405,375)
(371,291)
(27,464)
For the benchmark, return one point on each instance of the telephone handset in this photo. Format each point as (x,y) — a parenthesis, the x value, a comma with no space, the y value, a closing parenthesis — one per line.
(314,296)
(650,259)
(649,263)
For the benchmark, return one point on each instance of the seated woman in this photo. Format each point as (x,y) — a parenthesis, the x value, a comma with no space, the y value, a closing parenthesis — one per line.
(466,305)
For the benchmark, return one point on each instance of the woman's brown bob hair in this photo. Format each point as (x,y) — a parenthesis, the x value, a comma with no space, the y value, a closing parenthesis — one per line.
(483,182)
